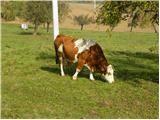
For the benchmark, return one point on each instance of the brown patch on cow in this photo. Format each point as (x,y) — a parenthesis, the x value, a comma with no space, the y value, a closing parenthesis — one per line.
(97,60)
(68,46)
(75,50)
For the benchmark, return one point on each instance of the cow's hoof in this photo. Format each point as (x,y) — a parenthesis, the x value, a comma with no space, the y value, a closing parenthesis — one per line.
(92,79)
(110,82)
(62,75)
(74,78)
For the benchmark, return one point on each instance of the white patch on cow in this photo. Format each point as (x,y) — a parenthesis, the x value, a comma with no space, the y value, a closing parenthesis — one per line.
(109,75)
(75,58)
(60,49)
(83,45)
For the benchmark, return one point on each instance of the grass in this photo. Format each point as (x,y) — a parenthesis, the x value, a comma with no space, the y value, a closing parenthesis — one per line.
(33,88)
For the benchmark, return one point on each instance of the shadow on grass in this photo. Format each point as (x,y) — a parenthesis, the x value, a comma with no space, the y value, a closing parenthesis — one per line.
(51,69)
(25,33)
(143,55)
(134,66)
(71,70)
(128,66)
(28,33)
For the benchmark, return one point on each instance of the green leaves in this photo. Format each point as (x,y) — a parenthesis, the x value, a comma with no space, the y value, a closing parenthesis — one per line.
(8,12)
(83,20)
(35,12)
(63,10)
(136,12)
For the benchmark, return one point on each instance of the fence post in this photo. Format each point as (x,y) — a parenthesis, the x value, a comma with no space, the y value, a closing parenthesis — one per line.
(55,18)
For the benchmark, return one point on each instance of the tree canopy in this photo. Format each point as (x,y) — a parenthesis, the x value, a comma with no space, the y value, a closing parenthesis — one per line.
(8,12)
(82,20)
(36,12)
(136,12)
(63,10)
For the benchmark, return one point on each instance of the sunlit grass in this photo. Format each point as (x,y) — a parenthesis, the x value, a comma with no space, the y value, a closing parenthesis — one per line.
(33,88)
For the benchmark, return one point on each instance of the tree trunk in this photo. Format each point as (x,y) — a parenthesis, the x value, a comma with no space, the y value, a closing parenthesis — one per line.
(154,27)
(111,28)
(81,27)
(35,29)
(44,25)
(48,27)
(131,28)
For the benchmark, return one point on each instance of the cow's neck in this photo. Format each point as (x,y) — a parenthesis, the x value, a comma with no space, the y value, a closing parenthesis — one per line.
(103,65)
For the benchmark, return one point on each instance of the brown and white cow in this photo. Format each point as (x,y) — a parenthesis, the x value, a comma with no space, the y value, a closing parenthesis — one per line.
(86,52)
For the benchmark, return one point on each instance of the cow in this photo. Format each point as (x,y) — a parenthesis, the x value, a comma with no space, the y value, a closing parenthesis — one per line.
(86,53)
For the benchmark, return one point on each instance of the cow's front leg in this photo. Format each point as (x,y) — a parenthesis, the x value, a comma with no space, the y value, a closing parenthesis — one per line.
(61,66)
(78,68)
(91,77)
(75,74)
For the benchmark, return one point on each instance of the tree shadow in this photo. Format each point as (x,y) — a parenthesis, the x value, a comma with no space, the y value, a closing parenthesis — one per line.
(125,64)
(51,69)
(127,67)
(143,55)
(71,70)
(25,33)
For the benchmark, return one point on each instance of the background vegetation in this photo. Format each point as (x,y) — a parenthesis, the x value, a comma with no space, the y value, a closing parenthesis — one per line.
(139,12)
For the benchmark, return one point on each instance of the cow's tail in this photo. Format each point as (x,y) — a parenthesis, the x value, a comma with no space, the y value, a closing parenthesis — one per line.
(56,52)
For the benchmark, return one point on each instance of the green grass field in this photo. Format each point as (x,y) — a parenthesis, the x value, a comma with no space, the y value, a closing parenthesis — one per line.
(32,87)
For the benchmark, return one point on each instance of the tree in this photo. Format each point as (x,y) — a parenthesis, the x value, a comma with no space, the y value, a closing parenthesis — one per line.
(48,14)
(63,10)
(35,12)
(82,20)
(112,12)
(143,13)
(150,13)
(19,7)
(133,15)
(138,12)
(8,12)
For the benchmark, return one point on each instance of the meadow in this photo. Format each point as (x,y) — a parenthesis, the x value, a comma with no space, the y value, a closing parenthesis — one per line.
(31,86)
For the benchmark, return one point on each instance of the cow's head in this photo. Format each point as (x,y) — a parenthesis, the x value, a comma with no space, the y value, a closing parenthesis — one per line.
(109,74)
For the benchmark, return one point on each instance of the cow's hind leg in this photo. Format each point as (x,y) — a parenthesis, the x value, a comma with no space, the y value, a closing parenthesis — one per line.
(79,67)
(61,66)
(60,56)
